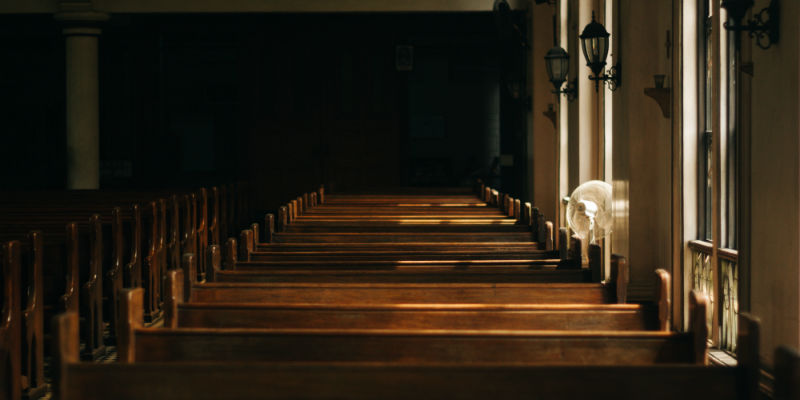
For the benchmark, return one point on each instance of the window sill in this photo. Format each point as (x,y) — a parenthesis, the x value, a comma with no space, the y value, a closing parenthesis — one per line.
(721,358)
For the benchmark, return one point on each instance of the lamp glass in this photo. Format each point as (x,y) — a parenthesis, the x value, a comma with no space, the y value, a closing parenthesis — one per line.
(557,63)
(594,42)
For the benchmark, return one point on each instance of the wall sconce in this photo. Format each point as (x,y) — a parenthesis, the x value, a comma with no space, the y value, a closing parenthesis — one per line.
(557,62)
(594,41)
(661,94)
(551,114)
(764,27)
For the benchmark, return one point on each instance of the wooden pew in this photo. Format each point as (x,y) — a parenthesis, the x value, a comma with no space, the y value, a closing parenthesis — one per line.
(404,237)
(364,224)
(32,313)
(22,331)
(411,293)
(787,374)
(353,343)
(376,269)
(11,321)
(99,256)
(247,380)
(408,316)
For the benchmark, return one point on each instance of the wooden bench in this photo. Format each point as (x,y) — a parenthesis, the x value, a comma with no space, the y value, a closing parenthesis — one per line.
(352,342)
(301,211)
(247,380)
(409,293)
(403,237)
(411,316)
(92,248)
(377,269)
(22,332)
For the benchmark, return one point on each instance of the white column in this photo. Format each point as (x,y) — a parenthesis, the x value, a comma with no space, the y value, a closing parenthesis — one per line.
(587,101)
(82,113)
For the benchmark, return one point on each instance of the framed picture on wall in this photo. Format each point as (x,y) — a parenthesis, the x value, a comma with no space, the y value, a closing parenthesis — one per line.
(404,58)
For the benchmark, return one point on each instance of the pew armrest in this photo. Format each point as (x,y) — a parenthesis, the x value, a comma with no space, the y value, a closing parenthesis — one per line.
(174,297)
(787,374)
(131,318)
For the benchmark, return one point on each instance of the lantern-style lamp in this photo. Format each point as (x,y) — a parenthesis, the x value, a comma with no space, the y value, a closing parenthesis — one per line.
(765,25)
(557,62)
(594,41)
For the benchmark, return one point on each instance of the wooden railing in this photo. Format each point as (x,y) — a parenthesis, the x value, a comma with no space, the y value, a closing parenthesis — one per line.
(721,284)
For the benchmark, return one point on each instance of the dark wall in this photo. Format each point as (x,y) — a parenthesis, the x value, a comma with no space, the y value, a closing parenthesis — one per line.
(32,142)
(283,101)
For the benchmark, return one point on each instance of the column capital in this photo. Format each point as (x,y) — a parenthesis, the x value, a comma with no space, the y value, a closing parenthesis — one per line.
(81,22)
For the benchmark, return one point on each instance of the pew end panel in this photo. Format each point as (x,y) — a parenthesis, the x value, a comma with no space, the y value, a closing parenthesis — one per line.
(526,214)
(283,220)
(113,274)
(301,208)
(548,241)
(133,269)
(246,244)
(541,229)
(595,254)
(214,216)
(189,266)
(290,212)
(787,374)
(698,309)
(91,304)
(571,258)
(152,270)
(174,297)
(563,244)
(617,284)
(255,228)
(214,262)
(66,348)
(620,274)
(11,323)
(69,301)
(231,254)
(747,351)
(662,297)
(269,227)
(32,314)
(132,318)
(202,232)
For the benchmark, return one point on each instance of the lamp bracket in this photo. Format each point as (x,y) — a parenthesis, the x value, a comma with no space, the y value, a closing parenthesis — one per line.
(764,27)
(570,91)
(612,78)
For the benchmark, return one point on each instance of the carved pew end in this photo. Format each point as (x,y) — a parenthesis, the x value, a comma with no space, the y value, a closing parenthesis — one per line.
(132,318)
(246,245)
(213,261)
(620,278)
(787,373)
(175,295)
(698,308)
(662,294)
(269,227)
(283,218)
